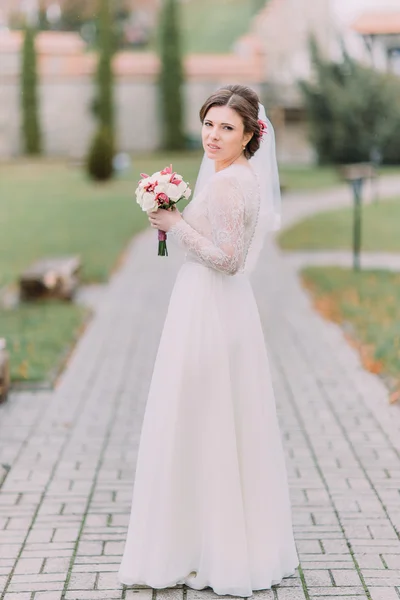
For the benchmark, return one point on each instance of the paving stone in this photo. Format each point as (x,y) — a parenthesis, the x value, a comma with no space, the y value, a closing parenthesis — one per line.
(93,595)
(317,578)
(143,594)
(108,581)
(48,596)
(345,577)
(384,593)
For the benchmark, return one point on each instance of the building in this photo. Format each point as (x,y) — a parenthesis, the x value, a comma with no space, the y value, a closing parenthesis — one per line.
(285,26)
(380,32)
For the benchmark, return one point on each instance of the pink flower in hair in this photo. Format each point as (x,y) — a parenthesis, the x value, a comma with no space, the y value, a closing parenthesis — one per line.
(263,128)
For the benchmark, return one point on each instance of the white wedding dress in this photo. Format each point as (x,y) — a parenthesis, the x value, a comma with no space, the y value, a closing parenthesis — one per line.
(210,502)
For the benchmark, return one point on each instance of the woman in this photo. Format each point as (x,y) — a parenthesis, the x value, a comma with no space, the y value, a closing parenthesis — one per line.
(210,503)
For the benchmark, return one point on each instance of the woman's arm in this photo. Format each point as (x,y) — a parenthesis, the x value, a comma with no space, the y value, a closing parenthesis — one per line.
(226,215)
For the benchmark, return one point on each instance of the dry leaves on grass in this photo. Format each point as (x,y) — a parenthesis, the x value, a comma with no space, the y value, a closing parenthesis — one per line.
(327,306)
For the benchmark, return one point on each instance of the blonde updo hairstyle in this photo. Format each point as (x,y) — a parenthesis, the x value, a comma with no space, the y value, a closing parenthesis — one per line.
(245,102)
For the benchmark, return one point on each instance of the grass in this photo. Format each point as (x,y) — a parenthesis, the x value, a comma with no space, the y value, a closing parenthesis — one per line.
(313,177)
(298,178)
(212,26)
(38,336)
(370,302)
(332,230)
(48,208)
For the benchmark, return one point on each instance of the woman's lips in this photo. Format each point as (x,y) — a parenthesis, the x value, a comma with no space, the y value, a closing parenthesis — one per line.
(213,147)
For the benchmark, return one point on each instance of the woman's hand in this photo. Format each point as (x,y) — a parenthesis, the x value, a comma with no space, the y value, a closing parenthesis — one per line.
(164,219)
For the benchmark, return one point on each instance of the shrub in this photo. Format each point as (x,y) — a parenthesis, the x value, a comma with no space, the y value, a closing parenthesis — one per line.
(29,95)
(352,110)
(101,154)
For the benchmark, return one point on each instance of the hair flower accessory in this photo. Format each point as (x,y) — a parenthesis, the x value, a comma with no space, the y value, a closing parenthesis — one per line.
(263,128)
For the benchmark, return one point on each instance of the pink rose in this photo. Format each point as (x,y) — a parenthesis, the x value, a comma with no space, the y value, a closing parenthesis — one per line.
(175,180)
(162,198)
(167,170)
(150,187)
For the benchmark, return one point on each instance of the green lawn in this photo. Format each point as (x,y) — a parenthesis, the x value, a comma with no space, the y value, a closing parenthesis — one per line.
(309,177)
(48,208)
(298,178)
(333,230)
(213,26)
(370,302)
(39,336)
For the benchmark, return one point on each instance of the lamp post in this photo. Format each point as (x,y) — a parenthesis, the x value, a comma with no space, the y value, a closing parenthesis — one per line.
(356,175)
(376,161)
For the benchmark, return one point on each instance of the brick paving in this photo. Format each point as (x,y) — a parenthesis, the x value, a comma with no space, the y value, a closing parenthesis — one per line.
(64,504)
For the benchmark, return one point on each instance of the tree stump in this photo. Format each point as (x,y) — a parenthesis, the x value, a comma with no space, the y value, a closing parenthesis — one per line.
(51,278)
(4,371)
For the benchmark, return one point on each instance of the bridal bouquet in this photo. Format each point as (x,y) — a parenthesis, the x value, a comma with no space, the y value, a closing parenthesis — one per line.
(163,189)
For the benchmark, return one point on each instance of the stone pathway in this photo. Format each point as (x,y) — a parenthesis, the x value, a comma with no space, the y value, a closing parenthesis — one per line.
(65,502)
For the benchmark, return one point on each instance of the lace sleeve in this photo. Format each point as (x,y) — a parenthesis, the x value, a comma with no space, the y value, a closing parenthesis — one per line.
(226,217)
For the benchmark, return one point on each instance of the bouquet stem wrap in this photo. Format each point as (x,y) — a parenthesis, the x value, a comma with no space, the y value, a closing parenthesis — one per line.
(162,243)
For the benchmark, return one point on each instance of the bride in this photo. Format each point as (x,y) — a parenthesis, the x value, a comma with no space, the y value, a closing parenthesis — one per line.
(210,502)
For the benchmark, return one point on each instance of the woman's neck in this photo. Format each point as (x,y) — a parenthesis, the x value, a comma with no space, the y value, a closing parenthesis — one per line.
(224,164)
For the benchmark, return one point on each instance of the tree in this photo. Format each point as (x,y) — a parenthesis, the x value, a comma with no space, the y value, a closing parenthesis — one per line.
(352,109)
(29,95)
(171,77)
(100,157)
(104,102)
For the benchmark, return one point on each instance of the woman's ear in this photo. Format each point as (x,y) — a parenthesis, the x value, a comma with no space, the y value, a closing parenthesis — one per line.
(246,138)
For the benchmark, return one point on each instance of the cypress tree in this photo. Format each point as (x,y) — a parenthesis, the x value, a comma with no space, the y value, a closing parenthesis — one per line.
(104,76)
(171,77)
(29,95)
(101,152)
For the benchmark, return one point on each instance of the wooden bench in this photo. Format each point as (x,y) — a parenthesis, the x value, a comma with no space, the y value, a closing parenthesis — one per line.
(51,278)
(4,371)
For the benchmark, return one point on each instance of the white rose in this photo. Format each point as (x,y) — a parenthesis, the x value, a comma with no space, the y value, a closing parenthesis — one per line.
(162,188)
(148,203)
(164,178)
(139,194)
(182,187)
(173,191)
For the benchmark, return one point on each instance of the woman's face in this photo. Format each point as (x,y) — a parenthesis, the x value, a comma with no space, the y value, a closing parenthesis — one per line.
(223,134)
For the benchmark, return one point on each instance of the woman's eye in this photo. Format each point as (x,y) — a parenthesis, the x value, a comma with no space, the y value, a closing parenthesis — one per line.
(228,128)
(207,124)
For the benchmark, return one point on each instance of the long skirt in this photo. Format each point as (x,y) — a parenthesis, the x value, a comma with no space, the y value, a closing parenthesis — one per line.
(210,501)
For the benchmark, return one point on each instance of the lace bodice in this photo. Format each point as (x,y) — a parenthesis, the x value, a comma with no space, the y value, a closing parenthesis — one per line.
(219,223)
